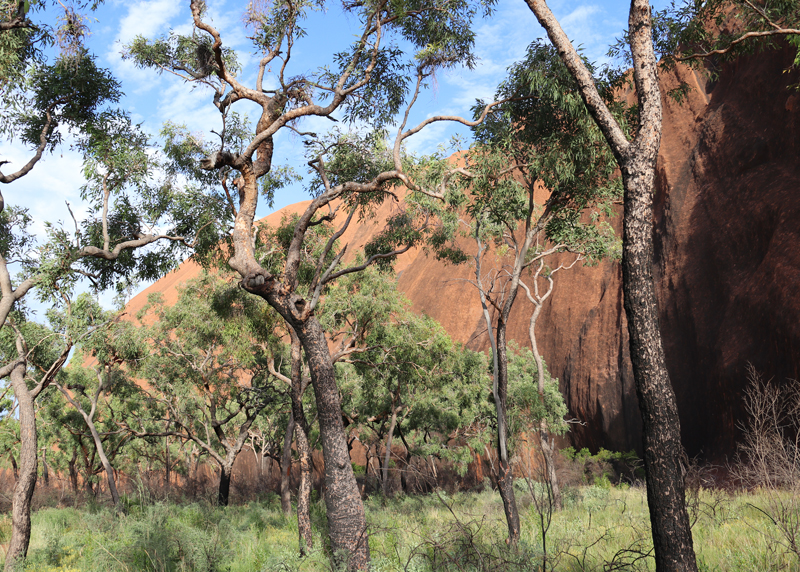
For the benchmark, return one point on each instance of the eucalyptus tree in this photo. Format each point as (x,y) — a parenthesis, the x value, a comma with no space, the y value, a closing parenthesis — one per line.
(409,378)
(538,296)
(100,392)
(371,81)
(534,183)
(696,32)
(207,375)
(636,157)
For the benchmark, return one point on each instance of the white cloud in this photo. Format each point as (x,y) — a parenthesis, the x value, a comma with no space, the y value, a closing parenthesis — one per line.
(56,178)
(148,18)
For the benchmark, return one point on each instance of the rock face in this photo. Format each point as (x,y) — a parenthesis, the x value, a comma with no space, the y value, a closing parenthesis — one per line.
(727,265)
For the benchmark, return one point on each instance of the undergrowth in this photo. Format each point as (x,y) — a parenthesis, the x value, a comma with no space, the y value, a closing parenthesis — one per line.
(602,528)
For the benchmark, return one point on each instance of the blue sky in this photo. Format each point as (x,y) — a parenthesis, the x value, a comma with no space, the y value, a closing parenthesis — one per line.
(152,99)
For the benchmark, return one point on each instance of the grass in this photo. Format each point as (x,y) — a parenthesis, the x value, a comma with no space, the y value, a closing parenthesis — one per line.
(601,528)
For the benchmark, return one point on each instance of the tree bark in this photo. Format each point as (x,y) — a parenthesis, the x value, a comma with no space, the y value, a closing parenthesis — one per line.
(88,418)
(26,482)
(45,468)
(14,466)
(286,467)
(73,471)
(548,448)
(304,493)
(306,541)
(505,479)
(346,520)
(672,536)
(224,491)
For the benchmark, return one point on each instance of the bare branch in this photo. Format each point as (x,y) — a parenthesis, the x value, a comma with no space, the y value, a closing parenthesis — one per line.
(739,40)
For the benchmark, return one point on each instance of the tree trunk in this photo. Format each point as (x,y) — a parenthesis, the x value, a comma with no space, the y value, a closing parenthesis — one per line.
(505,480)
(167,464)
(303,450)
(112,485)
(672,536)
(286,467)
(346,521)
(548,447)
(14,466)
(26,482)
(45,468)
(224,491)
(73,471)
(388,455)
(304,493)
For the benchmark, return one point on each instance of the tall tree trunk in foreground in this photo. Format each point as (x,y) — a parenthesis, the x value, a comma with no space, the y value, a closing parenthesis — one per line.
(672,536)
(286,467)
(346,519)
(26,482)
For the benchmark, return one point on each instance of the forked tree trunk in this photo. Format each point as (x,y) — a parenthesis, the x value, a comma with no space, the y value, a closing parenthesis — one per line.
(26,481)
(672,535)
(88,418)
(545,439)
(346,521)
(286,467)
(505,478)
(112,485)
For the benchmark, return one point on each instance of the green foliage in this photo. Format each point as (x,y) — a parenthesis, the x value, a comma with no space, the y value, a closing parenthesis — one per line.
(549,134)
(74,92)
(402,360)
(599,529)
(191,55)
(526,409)
(15,241)
(689,27)
(207,370)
